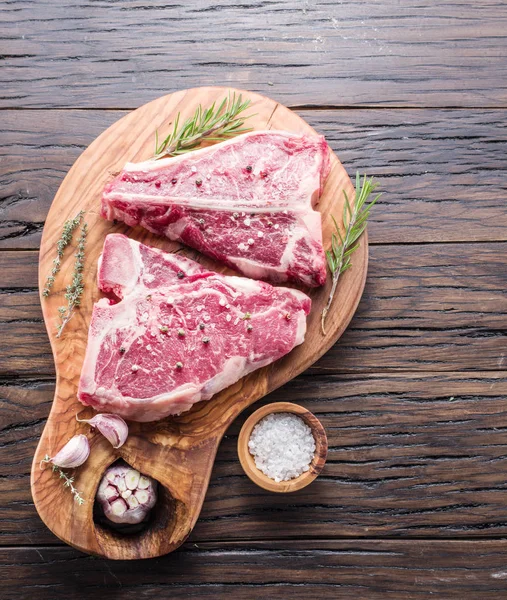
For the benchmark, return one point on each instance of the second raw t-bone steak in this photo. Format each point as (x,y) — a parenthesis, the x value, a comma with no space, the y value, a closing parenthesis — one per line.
(177,333)
(246,202)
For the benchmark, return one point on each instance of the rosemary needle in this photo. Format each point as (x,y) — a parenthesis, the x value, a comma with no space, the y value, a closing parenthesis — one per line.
(342,246)
(212,124)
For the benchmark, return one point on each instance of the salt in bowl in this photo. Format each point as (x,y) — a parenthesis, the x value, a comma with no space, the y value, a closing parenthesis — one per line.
(248,462)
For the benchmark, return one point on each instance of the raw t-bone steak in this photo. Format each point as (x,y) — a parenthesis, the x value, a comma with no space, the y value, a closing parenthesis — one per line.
(176,333)
(247,202)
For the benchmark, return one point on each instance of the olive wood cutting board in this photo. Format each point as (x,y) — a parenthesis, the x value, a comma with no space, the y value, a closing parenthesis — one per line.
(178,451)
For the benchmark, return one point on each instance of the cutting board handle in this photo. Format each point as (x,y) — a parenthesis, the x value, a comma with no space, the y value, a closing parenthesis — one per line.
(176,454)
(182,470)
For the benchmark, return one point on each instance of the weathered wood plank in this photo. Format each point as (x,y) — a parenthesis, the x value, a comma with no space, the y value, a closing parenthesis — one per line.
(338,570)
(433,307)
(441,172)
(410,455)
(123,54)
(18,271)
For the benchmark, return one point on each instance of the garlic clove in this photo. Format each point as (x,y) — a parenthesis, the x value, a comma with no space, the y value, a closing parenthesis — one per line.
(112,427)
(122,486)
(142,496)
(73,454)
(144,483)
(118,507)
(111,493)
(132,479)
(133,502)
(126,494)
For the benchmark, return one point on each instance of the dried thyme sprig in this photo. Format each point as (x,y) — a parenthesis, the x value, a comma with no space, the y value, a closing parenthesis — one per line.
(206,124)
(75,289)
(67,481)
(65,239)
(354,222)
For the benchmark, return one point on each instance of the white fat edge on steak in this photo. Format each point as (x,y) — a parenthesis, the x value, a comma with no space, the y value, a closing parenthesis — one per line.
(148,409)
(161,163)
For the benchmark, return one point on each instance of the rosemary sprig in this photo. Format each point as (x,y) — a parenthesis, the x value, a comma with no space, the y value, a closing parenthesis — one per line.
(342,246)
(67,481)
(67,232)
(75,289)
(212,124)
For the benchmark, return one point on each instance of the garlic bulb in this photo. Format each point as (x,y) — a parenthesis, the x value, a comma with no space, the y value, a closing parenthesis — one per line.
(73,454)
(125,495)
(112,427)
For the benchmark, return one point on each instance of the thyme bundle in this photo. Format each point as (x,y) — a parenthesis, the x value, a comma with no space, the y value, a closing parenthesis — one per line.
(67,233)
(75,290)
(342,246)
(211,124)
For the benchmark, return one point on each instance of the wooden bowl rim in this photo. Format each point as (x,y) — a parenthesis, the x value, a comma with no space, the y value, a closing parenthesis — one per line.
(248,463)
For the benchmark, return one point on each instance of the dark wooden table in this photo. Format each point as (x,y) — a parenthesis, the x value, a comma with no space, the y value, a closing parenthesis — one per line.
(413,500)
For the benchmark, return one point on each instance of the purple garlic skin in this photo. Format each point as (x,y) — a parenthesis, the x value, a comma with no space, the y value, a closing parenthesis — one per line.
(125,495)
(112,427)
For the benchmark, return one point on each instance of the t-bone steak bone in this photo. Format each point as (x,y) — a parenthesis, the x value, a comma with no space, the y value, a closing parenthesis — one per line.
(177,333)
(246,202)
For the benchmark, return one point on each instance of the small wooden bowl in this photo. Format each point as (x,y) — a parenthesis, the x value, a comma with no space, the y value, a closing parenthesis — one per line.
(247,460)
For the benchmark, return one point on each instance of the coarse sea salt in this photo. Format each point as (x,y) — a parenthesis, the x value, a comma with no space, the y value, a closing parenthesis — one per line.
(282,445)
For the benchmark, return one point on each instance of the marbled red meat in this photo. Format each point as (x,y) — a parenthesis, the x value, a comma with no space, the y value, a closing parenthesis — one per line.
(247,202)
(176,333)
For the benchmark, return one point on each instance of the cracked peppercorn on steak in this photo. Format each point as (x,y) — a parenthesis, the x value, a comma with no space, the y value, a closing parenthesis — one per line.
(246,202)
(173,333)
